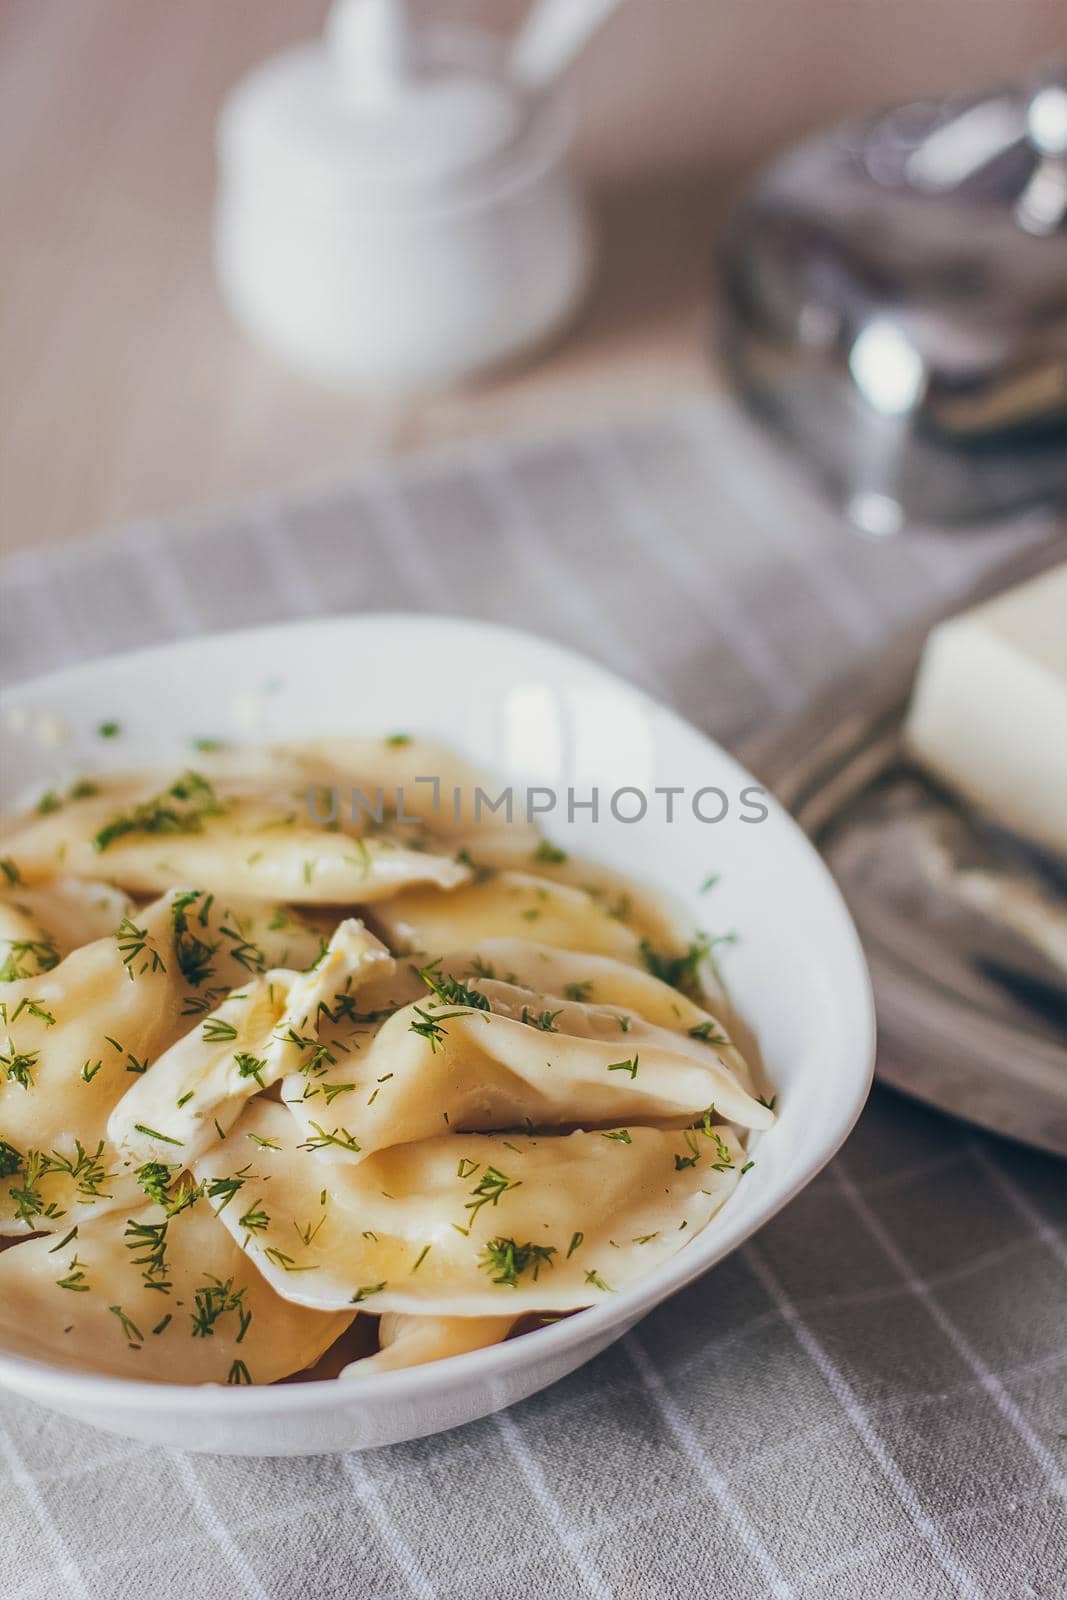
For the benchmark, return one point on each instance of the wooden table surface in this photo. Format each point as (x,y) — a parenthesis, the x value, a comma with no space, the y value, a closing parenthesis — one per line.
(125,391)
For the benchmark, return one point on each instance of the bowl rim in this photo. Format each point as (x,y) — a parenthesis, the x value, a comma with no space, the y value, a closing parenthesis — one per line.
(122,1394)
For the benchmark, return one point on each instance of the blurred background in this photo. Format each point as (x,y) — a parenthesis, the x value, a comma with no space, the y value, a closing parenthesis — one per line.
(126,390)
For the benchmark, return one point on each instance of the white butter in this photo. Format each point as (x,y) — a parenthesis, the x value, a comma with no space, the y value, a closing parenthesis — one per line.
(989,712)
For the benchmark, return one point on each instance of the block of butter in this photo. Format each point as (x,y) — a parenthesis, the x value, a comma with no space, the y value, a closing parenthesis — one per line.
(989,711)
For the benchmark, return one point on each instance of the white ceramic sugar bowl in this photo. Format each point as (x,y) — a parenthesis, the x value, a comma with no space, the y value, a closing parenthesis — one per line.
(394,210)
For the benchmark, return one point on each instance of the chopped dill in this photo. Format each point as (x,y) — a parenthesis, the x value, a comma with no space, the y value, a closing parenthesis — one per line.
(75,1279)
(29,1202)
(332,1090)
(339,1137)
(135,943)
(254,1220)
(133,1333)
(544,1020)
(19,1065)
(151,1238)
(213,1300)
(28,958)
(287,1264)
(224,1189)
(217,1030)
(683,971)
(430,1028)
(626,1066)
(580,993)
(709,1032)
(507,1262)
(192,953)
(154,1178)
(153,1133)
(488,1190)
(680,1161)
(179,809)
(249,1066)
(307,1233)
(10,1159)
(34,1008)
(86,1171)
(449,991)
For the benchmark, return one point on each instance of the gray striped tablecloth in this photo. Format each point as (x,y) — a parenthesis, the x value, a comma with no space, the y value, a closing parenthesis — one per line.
(868,1400)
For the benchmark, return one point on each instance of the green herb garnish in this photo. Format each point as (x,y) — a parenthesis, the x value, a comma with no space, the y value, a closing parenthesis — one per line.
(580,993)
(365,1291)
(213,1300)
(19,1066)
(137,948)
(544,1020)
(133,1333)
(450,991)
(488,1190)
(179,809)
(626,1066)
(507,1262)
(10,1159)
(75,1279)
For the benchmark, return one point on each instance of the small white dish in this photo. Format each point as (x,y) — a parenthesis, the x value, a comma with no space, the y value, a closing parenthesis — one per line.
(395,209)
(530,713)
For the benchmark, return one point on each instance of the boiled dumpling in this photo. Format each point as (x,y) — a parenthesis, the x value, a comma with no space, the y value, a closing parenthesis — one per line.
(242,836)
(72,1040)
(40,925)
(76,1037)
(478,1053)
(513,905)
(414,1341)
(268,1028)
(468,1224)
(597,980)
(166,1300)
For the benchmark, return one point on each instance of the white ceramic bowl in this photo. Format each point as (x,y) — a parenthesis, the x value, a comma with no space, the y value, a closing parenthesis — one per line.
(534,714)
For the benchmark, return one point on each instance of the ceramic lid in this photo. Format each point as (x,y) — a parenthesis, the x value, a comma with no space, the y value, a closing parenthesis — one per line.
(373,107)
